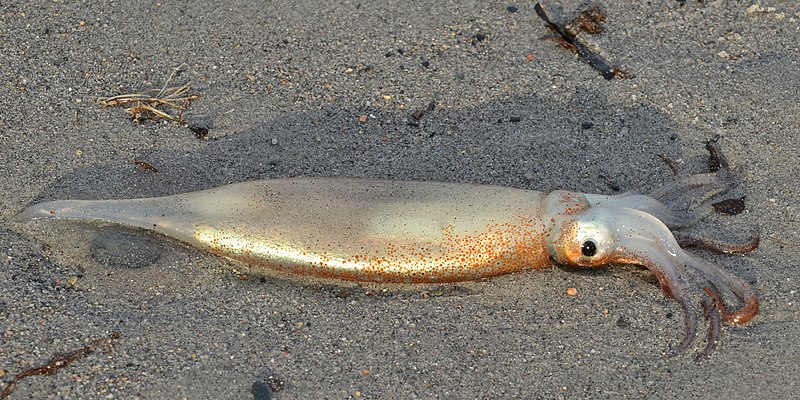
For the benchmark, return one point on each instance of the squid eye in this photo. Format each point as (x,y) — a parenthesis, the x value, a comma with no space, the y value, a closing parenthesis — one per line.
(589,248)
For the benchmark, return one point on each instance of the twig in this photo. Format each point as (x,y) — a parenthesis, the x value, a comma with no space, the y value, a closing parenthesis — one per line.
(586,21)
(169,78)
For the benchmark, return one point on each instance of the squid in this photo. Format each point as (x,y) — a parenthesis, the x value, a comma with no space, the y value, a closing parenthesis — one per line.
(433,232)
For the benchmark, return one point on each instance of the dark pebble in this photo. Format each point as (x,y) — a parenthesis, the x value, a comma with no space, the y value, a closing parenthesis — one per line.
(623,322)
(512,8)
(124,248)
(261,391)
(587,125)
(515,119)
(200,131)
(426,63)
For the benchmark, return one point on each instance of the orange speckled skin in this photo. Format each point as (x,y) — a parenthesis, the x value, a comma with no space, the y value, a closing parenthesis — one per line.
(381,231)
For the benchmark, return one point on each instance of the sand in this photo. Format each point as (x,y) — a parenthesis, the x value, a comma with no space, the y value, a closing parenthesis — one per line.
(323,89)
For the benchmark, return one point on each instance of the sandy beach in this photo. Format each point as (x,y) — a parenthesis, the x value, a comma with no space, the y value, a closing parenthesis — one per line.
(462,91)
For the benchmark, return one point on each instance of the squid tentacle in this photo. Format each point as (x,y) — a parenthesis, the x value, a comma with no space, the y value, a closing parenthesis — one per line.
(716,280)
(686,240)
(711,311)
(690,320)
(712,305)
(697,285)
(645,252)
(723,278)
(690,198)
(684,202)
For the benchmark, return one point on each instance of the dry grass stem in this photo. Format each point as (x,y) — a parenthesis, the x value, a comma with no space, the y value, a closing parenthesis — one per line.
(169,102)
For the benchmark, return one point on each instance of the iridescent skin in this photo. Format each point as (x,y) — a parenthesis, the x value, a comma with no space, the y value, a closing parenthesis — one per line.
(384,231)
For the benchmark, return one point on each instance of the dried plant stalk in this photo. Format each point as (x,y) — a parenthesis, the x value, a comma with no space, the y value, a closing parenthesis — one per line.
(166,103)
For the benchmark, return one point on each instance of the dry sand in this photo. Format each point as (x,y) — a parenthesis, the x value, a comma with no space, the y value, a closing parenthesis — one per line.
(284,86)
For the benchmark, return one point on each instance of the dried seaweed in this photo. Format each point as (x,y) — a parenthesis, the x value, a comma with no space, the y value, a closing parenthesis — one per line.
(730,206)
(56,363)
(145,165)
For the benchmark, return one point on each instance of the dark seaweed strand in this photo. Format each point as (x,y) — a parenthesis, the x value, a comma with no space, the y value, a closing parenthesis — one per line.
(590,57)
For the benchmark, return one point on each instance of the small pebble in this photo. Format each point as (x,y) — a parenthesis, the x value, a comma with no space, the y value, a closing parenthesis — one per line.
(571,291)
(587,125)
(275,383)
(362,119)
(512,8)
